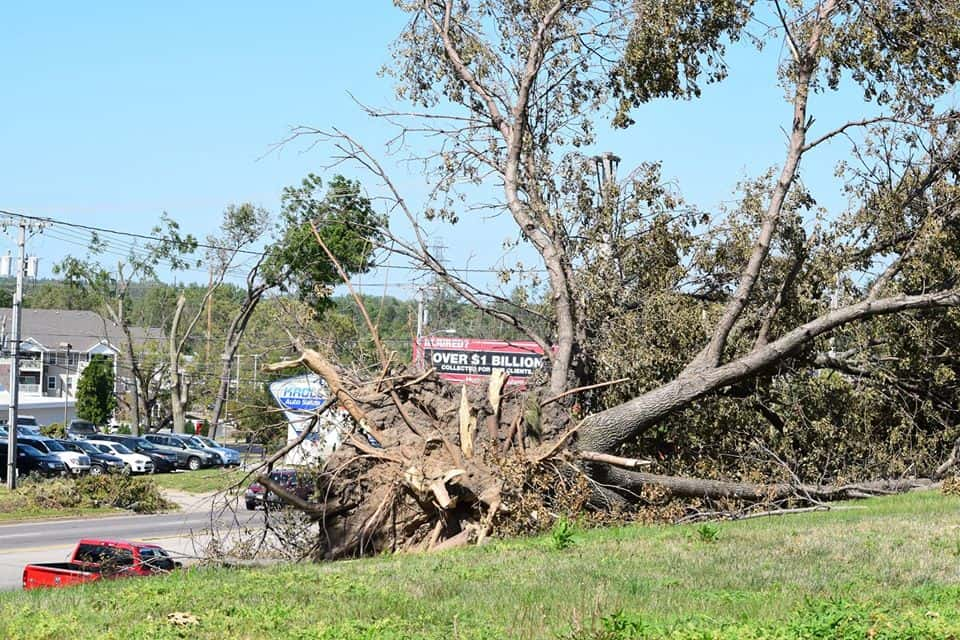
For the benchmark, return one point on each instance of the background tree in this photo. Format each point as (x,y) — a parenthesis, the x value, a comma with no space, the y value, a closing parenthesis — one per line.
(295,263)
(112,288)
(240,229)
(96,396)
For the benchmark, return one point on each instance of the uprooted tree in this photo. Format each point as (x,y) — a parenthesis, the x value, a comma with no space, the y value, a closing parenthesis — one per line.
(774,285)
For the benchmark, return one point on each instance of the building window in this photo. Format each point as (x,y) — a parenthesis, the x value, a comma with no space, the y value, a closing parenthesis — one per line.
(51,383)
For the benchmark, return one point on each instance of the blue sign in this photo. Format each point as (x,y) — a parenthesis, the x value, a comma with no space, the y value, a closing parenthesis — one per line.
(301,393)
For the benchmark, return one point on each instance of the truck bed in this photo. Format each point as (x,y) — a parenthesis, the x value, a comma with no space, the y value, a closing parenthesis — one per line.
(57,574)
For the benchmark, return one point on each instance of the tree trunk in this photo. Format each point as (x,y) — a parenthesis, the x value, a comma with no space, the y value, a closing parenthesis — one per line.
(177,395)
(682,487)
(230,347)
(135,390)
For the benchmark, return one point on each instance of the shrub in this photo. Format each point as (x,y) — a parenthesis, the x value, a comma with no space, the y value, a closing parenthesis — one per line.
(123,492)
(60,493)
(54,430)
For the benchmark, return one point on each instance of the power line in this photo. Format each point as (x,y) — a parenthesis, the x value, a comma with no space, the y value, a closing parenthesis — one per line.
(129,234)
(82,241)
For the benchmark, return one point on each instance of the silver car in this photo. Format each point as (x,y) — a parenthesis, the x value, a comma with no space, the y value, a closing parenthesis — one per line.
(230,457)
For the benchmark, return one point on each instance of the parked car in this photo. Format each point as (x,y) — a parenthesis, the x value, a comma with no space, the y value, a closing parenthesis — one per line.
(77,463)
(257,495)
(31,461)
(188,454)
(29,422)
(22,430)
(80,429)
(230,457)
(100,462)
(93,559)
(164,460)
(135,462)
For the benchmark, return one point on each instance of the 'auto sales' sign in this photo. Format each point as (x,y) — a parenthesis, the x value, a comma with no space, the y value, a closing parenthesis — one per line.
(472,360)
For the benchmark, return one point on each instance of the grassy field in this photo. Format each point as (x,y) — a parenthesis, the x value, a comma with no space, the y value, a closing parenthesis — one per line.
(884,568)
(200,481)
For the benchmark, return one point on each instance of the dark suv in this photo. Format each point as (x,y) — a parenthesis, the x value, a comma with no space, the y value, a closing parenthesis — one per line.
(100,462)
(163,460)
(299,484)
(81,429)
(31,460)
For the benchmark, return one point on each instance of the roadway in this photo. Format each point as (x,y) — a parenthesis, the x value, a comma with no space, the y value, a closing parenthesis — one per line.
(53,540)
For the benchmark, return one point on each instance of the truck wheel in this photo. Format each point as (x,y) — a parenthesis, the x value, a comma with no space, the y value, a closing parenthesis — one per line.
(251,505)
(127,469)
(96,470)
(193,463)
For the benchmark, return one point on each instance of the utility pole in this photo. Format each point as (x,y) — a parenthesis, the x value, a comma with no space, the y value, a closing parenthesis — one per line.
(419,314)
(15,358)
(66,380)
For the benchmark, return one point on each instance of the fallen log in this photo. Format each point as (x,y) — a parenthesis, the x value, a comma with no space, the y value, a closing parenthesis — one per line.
(686,487)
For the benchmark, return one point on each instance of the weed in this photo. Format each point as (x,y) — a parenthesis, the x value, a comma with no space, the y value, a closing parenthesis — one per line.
(561,536)
(708,532)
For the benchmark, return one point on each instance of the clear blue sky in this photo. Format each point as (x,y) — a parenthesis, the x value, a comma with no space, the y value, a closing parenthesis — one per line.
(114,112)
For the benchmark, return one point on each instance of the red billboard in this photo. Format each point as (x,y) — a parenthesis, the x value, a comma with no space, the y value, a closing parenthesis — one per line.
(473,360)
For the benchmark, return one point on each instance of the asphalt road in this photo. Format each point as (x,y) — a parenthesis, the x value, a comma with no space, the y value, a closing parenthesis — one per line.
(53,540)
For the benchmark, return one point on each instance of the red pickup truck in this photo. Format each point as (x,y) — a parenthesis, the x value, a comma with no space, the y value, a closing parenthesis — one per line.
(94,559)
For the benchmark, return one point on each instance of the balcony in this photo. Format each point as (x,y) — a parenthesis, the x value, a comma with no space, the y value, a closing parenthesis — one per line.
(30,389)
(31,364)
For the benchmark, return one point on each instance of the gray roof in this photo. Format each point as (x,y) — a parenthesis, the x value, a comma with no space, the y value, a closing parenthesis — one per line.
(84,330)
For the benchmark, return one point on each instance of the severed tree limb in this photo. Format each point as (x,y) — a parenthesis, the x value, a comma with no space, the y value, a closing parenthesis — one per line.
(403,413)
(423,376)
(380,454)
(323,510)
(548,451)
(319,365)
(617,461)
(684,487)
(599,385)
(949,463)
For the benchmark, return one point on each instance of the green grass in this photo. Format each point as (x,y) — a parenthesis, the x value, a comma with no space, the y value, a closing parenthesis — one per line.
(883,568)
(199,481)
(35,513)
